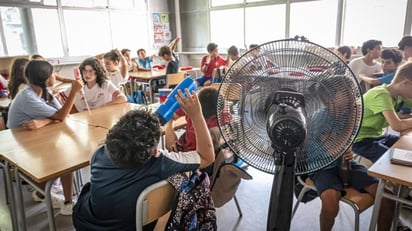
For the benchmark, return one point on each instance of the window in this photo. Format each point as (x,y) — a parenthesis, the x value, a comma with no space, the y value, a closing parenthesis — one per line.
(13,31)
(316,20)
(80,3)
(48,38)
(225,2)
(121,3)
(129,30)
(84,35)
(265,24)
(368,19)
(227,28)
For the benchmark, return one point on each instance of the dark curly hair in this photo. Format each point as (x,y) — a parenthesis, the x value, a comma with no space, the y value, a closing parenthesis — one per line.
(17,76)
(38,72)
(101,75)
(133,140)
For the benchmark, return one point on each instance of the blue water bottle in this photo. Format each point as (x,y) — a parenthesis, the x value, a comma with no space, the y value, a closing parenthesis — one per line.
(169,107)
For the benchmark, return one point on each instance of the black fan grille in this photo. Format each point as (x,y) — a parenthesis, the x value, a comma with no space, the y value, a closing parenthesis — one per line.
(333,119)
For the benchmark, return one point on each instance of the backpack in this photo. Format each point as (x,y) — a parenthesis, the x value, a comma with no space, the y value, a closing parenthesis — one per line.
(194,208)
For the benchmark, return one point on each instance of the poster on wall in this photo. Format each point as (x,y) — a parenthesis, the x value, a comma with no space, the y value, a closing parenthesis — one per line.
(161,29)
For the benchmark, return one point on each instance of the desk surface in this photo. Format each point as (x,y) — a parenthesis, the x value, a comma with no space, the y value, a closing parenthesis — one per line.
(147,75)
(51,151)
(396,173)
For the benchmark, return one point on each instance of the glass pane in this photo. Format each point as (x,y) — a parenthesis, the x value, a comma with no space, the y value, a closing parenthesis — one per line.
(136,36)
(100,3)
(121,3)
(85,36)
(225,2)
(224,34)
(83,3)
(1,49)
(140,5)
(48,38)
(49,2)
(13,31)
(361,25)
(265,23)
(315,20)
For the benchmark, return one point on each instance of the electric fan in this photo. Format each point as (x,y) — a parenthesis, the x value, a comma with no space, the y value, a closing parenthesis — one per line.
(296,107)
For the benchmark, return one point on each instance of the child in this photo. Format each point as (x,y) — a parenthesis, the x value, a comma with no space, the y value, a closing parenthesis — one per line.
(329,185)
(367,64)
(391,59)
(381,105)
(144,63)
(35,107)
(208,64)
(58,77)
(17,79)
(129,162)
(170,57)
(344,52)
(405,45)
(131,63)
(187,142)
(117,68)
(97,91)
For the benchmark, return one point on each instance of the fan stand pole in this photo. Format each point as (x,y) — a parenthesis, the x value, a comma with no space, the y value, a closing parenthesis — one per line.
(281,199)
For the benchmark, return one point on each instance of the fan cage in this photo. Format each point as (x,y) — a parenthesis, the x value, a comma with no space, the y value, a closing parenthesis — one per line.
(333,103)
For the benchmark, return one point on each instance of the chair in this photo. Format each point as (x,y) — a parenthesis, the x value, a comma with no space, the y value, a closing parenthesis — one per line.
(154,202)
(174,79)
(355,199)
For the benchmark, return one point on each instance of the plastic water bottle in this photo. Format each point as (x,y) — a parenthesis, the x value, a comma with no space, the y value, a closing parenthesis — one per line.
(169,107)
(344,169)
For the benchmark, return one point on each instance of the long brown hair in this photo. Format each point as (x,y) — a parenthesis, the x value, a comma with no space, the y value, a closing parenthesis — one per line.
(17,76)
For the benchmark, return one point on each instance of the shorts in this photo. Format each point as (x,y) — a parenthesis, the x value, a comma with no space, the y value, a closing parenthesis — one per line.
(201,80)
(329,179)
(374,148)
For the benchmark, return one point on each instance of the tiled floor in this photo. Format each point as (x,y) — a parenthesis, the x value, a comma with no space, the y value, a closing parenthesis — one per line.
(253,196)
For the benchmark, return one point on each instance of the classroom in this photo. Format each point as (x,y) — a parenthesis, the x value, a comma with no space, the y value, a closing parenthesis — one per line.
(86,83)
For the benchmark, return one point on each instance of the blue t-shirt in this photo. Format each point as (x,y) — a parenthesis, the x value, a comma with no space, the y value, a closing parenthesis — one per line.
(387,78)
(27,106)
(110,202)
(146,63)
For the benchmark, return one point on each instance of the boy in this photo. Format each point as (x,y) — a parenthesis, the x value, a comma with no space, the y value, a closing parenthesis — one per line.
(367,64)
(208,64)
(208,100)
(405,45)
(129,162)
(344,52)
(381,105)
(117,68)
(328,184)
(391,59)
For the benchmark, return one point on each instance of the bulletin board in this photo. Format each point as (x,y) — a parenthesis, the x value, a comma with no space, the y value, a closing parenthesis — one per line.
(161,29)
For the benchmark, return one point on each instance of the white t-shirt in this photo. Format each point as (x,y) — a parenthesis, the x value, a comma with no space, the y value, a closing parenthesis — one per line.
(96,96)
(117,78)
(358,66)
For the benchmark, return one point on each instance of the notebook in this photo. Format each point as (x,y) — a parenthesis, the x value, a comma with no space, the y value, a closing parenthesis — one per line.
(401,156)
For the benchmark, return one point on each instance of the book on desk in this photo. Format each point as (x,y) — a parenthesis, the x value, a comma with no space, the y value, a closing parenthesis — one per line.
(401,156)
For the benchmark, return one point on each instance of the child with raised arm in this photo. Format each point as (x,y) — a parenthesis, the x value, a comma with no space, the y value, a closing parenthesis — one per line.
(129,162)
(98,91)
(35,107)
(117,68)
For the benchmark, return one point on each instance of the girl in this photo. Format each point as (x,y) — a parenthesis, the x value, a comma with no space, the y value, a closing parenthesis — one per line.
(35,107)
(97,91)
(17,79)
(116,66)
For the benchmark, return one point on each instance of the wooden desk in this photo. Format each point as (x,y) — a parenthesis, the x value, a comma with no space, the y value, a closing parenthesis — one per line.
(385,171)
(147,76)
(42,155)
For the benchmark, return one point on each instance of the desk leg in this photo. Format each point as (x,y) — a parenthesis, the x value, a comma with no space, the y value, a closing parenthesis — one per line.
(49,205)
(11,201)
(377,204)
(20,202)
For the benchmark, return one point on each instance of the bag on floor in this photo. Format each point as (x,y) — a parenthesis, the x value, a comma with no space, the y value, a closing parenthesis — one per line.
(194,209)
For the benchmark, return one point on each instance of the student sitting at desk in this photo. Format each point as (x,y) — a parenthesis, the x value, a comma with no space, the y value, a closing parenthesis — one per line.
(117,68)
(17,79)
(131,63)
(381,105)
(129,162)
(97,90)
(208,64)
(144,62)
(35,107)
(391,59)
(58,77)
